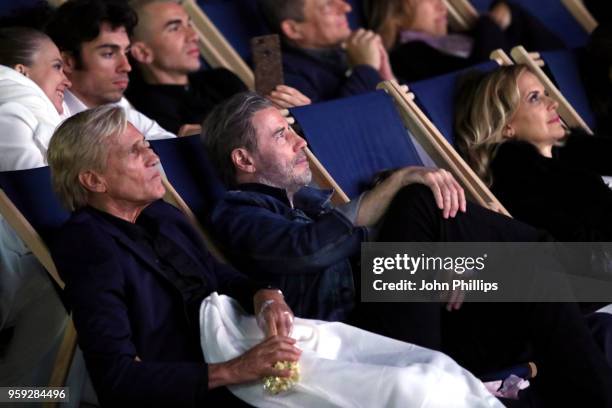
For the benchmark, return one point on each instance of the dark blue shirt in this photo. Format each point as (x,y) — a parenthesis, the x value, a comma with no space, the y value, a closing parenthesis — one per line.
(304,250)
(321,77)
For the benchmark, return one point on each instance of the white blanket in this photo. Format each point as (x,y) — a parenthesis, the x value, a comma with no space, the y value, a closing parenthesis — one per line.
(342,366)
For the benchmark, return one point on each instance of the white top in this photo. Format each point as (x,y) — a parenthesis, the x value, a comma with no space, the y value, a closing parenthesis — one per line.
(148,127)
(27,121)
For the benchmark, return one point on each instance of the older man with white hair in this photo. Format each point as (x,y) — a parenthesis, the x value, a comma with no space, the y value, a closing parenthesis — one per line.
(136,273)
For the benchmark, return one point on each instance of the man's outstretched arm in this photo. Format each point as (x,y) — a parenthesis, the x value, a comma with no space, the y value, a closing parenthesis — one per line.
(448,194)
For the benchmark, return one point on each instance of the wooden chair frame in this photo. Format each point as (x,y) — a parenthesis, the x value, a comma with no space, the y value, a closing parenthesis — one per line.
(215,48)
(33,240)
(581,14)
(462,14)
(566,110)
(173,197)
(438,148)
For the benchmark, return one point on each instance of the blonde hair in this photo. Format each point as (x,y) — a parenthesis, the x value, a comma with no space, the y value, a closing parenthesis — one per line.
(79,144)
(386,17)
(483,107)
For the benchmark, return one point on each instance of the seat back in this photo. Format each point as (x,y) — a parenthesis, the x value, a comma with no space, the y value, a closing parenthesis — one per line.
(31,208)
(215,48)
(563,65)
(436,97)
(238,21)
(356,137)
(190,172)
(31,192)
(552,13)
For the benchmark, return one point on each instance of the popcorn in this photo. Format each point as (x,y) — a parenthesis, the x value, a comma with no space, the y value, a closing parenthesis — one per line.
(276,385)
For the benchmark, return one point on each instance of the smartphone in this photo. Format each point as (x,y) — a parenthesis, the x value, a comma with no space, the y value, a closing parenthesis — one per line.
(268,63)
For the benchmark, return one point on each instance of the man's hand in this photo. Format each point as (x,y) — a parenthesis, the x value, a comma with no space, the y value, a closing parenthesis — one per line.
(284,96)
(448,194)
(363,48)
(274,317)
(385,71)
(189,129)
(256,363)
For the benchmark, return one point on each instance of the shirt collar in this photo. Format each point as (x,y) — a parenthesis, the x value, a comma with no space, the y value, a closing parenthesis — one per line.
(75,105)
(139,230)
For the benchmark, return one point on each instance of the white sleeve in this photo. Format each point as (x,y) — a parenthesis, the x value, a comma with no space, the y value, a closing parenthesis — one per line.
(18,149)
(148,127)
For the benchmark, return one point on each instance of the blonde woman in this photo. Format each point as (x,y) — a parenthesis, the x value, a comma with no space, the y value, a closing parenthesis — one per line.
(510,132)
(420,46)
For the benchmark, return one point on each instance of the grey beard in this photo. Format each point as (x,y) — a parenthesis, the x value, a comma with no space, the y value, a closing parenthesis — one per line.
(292,189)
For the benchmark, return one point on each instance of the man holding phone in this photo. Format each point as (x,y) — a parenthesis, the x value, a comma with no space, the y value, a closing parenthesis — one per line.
(322,58)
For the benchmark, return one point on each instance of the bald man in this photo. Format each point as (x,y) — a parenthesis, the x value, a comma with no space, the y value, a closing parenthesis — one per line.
(171,88)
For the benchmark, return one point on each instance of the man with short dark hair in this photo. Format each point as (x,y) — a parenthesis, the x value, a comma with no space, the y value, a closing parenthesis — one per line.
(94,39)
(278,228)
(322,58)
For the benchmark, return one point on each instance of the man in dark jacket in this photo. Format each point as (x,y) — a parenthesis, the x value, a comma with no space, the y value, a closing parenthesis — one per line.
(314,33)
(280,229)
(136,273)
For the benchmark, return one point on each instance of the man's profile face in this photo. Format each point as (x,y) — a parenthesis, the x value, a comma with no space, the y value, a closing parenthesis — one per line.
(103,76)
(280,159)
(325,23)
(131,175)
(171,38)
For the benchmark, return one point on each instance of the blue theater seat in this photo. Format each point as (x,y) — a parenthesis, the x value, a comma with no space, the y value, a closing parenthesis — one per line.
(553,15)
(240,20)
(32,194)
(563,65)
(356,137)
(190,172)
(436,97)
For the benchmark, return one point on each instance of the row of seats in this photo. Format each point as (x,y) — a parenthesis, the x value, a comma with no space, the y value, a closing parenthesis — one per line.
(351,155)
(240,20)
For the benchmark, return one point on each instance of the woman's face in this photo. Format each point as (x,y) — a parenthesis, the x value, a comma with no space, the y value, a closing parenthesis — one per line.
(536,120)
(427,16)
(47,71)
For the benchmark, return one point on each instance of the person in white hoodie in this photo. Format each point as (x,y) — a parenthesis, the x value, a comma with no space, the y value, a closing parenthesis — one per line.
(32,85)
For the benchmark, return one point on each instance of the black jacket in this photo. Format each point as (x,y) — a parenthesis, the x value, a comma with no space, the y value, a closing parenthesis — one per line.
(172,106)
(563,194)
(417,60)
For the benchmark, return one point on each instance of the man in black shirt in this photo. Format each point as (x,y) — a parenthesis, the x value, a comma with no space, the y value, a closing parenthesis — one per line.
(136,273)
(168,85)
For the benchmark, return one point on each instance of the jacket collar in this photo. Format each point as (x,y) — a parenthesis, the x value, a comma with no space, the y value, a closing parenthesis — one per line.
(124,239)
(308,199)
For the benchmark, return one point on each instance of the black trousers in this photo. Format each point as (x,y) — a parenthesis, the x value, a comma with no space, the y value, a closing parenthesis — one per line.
(489,337)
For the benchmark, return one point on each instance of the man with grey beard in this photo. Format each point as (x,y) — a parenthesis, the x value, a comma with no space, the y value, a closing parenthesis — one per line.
(280,230)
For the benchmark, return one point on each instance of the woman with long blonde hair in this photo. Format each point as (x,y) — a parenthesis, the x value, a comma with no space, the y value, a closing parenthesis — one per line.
(510,132)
